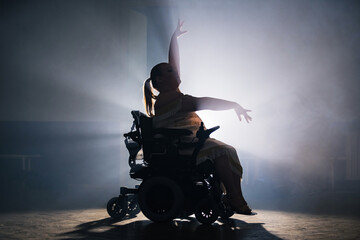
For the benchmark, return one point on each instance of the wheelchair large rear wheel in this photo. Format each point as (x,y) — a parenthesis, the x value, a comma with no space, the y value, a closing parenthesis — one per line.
(160,199)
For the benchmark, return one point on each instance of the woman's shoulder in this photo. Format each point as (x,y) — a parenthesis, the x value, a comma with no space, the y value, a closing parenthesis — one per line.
(189,103)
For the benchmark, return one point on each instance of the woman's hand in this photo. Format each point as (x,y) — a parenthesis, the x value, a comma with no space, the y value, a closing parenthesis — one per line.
(178,32)
(242,111)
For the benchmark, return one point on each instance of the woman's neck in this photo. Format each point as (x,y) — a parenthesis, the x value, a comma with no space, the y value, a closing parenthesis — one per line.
(171,92)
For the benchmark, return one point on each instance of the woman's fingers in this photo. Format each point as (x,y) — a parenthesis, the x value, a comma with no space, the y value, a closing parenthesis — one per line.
(178,30)
(246,116)
(183,32)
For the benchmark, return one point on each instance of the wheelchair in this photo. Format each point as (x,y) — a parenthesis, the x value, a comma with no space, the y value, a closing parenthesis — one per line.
(172,184)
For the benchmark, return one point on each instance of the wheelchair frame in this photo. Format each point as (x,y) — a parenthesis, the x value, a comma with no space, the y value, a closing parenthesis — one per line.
(173,186)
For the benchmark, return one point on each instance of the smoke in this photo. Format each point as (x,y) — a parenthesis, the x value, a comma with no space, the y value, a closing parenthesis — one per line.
(293,63)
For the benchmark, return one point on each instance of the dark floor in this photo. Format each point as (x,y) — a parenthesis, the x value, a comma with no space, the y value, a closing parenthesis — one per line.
(95,224)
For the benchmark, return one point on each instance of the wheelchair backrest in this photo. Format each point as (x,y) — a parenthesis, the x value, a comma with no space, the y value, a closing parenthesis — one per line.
(163,143)
(144,126)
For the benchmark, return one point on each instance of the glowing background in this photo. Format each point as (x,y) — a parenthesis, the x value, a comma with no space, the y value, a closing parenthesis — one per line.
(293,64)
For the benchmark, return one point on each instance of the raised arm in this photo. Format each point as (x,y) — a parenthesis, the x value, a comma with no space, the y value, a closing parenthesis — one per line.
(207,103)
(174,56)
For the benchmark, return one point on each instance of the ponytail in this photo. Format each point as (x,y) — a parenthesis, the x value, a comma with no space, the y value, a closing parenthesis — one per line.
(149,97)
(151,85)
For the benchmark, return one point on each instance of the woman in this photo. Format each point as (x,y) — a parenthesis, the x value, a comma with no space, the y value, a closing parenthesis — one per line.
(172,109)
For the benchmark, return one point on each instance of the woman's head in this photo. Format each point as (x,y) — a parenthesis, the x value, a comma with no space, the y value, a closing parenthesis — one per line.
(163,78)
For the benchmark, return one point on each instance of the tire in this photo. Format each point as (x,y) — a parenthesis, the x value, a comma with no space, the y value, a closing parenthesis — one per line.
(117,207)
(206,211)
(133,206)
(225,210)
(226,213)
(160,199)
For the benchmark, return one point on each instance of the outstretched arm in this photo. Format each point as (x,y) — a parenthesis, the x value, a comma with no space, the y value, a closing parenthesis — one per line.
(207,103)
(174,56)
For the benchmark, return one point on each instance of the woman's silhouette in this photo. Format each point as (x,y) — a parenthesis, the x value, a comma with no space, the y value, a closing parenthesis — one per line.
(171,108)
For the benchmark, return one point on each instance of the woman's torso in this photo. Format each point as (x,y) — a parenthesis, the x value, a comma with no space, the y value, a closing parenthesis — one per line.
(169,113)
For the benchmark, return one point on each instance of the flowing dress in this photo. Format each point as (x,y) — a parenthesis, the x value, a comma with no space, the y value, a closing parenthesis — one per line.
(170,115)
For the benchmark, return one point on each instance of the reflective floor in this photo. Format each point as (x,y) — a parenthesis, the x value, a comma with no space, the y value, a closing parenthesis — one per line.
(95,224)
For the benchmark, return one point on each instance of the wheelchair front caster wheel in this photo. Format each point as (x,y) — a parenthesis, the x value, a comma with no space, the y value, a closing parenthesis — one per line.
(226,213)
(133,206)
(206,212)
(225,210)
(117,207)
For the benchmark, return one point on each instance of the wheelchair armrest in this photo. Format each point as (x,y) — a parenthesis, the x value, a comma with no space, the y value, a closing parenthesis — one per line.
(172,132)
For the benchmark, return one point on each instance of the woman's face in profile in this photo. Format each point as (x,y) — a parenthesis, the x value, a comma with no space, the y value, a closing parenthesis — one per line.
(169,78)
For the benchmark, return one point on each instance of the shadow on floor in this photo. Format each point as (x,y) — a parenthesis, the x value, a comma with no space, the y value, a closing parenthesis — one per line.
(178,229)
